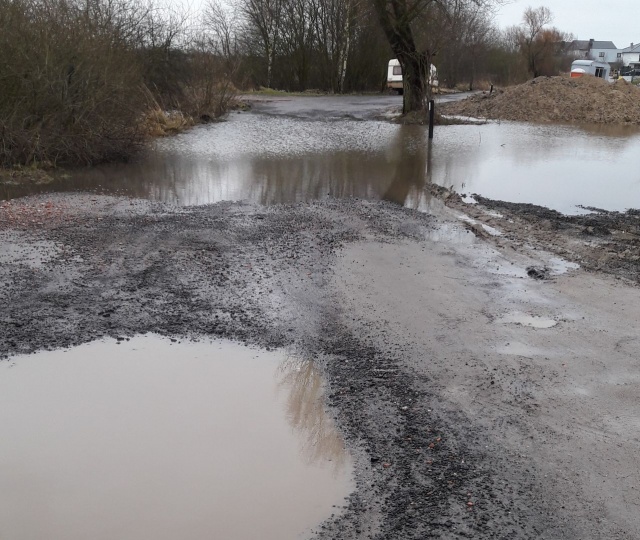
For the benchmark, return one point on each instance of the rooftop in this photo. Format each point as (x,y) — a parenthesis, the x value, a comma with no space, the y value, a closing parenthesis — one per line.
(584,44)
(632,48)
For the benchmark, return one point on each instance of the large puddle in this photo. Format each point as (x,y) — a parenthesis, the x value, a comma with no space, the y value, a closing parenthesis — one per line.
(310,148)
(154,440)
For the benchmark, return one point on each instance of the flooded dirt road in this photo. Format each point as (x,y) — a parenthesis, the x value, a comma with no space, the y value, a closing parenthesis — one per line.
(310,148)
(475,401)
(150,438)
(484,382)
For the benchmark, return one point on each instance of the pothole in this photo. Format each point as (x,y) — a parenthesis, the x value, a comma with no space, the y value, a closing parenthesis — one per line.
(518,349)
(527,320)
(162,440)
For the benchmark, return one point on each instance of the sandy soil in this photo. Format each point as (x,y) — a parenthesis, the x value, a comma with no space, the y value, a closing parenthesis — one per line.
(556,99)
(477,400)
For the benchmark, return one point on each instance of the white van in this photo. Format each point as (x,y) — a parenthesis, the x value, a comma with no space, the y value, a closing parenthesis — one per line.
(590,67)
(394,76)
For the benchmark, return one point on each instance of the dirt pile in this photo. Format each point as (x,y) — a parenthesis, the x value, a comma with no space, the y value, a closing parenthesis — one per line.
(556,99)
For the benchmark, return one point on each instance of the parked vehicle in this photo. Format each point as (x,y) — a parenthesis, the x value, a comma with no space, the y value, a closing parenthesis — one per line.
(394,76)
(580,68)
(628,71)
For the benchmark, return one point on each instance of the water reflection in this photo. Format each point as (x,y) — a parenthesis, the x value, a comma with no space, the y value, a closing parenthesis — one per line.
(153,439)
(411,172)
(555,166)
(272,159)
(306,411)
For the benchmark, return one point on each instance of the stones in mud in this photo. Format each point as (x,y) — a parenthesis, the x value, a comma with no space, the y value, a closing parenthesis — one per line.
(539,272)
(596,230)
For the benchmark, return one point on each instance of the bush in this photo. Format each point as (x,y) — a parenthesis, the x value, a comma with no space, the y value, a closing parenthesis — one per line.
(70,87)
(81,81)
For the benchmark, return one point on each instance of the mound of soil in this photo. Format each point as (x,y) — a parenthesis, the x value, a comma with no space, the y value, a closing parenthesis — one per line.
(556,99)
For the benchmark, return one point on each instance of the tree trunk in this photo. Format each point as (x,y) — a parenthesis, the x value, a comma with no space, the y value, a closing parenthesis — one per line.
(395,23)
(344,49)
(269,64)
(414,95)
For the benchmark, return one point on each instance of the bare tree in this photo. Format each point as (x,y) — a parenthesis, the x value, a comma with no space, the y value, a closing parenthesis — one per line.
(335,28)
(223,28)
(298,37)
(457,35)
(398,18)
(533,23)
(265,18)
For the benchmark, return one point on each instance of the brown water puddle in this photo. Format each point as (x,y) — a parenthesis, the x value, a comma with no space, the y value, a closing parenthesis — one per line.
(154,440)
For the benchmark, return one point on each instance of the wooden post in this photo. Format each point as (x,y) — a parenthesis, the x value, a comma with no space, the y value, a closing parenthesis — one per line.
(432,112)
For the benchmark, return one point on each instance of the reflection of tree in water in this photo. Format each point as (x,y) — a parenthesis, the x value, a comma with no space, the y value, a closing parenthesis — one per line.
(394,169)
(306,412)
(412,156)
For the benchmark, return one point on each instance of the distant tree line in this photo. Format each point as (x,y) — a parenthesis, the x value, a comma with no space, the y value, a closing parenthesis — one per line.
(85,81)
(340,46)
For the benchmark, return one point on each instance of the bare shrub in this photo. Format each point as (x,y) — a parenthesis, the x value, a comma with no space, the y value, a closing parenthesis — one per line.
(86,81)
(70,86)
(209,92)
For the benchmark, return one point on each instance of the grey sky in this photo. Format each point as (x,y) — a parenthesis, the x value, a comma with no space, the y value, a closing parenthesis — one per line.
(611,20)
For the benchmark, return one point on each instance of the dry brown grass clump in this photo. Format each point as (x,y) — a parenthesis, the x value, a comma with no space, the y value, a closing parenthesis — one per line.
(25,175)
(159,123)
(556,99)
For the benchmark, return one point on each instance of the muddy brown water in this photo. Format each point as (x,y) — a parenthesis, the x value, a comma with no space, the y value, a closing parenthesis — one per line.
(153,439)
(306,148)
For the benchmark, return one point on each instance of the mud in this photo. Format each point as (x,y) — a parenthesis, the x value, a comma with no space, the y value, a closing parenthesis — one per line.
(450,440)
(597,240)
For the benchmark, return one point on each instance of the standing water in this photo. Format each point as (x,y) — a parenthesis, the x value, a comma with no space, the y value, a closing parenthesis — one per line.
(305,148)
(154,440)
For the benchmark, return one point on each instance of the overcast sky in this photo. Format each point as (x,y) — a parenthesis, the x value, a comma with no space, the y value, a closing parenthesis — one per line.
(610,20)
(603,20)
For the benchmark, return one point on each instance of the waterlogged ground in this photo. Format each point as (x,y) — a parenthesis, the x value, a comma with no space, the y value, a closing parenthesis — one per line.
(152,438)
(309,148)
(479,363)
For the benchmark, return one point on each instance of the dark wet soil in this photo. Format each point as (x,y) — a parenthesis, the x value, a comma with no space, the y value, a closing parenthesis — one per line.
(600,240)
(260,275)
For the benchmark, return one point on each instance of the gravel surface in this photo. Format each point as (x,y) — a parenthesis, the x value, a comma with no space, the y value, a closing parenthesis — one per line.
(598,240)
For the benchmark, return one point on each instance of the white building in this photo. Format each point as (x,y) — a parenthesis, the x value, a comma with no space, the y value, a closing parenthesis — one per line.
(630,57)
(601,51)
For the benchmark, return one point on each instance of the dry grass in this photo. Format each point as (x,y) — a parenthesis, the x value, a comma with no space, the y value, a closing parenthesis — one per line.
(159,123)
(25,175)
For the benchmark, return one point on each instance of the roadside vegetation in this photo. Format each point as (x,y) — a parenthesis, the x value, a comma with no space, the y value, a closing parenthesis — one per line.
(86,81)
